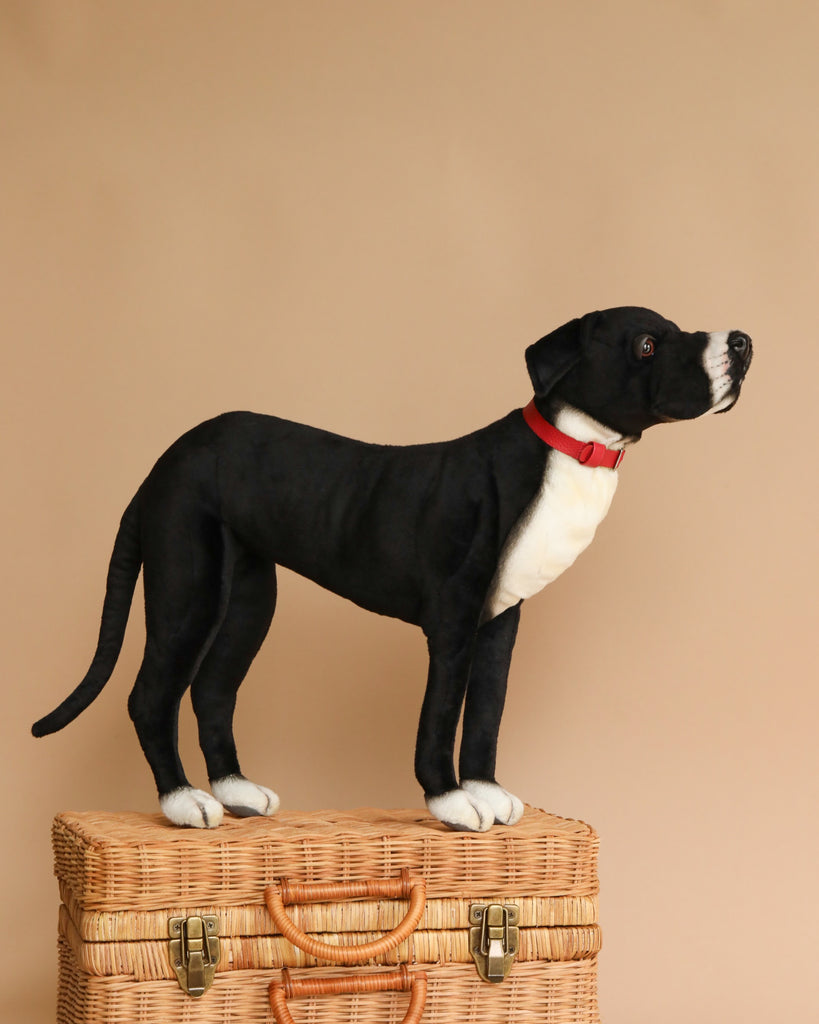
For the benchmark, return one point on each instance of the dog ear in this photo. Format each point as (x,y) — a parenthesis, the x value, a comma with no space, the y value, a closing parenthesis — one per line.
(553,356)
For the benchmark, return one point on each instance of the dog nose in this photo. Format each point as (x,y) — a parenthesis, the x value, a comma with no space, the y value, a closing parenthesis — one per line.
(739,342)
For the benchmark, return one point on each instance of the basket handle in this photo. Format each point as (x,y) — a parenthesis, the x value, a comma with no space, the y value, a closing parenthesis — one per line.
(278,895)
(393,981)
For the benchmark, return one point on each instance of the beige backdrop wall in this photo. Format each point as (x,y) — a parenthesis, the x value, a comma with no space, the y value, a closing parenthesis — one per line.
(358,215)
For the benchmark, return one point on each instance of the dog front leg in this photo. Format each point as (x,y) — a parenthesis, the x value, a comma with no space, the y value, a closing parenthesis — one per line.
(435,746)
(485,697)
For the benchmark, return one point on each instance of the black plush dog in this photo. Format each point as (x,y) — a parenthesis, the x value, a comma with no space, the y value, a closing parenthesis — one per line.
(450,536)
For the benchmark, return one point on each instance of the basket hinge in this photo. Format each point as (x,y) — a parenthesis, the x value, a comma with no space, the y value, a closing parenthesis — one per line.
(494,938)
(194,951)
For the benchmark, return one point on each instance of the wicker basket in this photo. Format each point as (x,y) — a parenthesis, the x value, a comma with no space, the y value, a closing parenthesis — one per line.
(395,904)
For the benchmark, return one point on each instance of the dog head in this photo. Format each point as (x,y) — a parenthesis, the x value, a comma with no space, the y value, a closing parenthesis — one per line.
(630,368)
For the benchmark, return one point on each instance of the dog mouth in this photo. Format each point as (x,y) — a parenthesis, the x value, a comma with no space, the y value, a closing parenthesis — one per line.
(726,398)
(726,404)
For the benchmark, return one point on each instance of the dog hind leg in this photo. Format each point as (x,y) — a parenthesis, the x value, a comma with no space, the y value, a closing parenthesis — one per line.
(187,576)
(154,709)
(246,622)
(485,696)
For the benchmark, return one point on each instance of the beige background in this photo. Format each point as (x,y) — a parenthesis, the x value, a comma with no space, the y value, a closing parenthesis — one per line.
(359,214)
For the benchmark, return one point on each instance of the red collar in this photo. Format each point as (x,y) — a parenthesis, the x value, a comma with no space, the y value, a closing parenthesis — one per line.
(589,453)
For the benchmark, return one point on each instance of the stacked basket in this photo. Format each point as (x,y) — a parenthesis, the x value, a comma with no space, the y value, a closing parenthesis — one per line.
(372,917)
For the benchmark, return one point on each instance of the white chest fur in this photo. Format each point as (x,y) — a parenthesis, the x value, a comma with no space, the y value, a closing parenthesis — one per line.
(559,523)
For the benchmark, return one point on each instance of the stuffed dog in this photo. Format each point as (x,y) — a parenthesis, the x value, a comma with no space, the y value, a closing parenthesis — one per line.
(450,536)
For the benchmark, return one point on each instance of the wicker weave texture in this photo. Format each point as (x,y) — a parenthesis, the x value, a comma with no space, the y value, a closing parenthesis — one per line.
(148,960)
(333,918)
(141,862)
(551,993)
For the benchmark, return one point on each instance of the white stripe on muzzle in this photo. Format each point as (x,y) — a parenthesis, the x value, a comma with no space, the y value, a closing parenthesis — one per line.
(716,360)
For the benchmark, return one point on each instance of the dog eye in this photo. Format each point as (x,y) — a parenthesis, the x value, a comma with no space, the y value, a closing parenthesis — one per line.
(644,346)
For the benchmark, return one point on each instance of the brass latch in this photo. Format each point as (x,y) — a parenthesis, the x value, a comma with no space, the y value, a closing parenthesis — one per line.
(494,938)
(194,951)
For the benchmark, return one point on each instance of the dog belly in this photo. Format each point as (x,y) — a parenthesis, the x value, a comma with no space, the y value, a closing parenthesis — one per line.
(557,526)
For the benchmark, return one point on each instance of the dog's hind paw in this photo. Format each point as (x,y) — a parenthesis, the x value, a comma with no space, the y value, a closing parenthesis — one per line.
(191,807)
(244,798)
(507,809)
(461,811)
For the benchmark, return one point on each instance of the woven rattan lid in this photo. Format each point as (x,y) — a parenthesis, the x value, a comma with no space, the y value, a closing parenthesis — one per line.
(142,862)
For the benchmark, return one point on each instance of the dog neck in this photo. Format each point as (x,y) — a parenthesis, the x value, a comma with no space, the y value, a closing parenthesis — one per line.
(580,425)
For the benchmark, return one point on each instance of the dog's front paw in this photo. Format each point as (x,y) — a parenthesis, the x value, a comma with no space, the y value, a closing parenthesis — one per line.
(244,798)
(192,807)
(461,811)
(507,809)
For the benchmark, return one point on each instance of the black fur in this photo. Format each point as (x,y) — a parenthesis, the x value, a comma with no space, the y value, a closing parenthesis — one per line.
(412,532)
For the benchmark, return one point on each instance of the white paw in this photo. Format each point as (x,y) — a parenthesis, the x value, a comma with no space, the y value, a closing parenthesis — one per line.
(508,809)
(193,807)
(244,798)
(461,811)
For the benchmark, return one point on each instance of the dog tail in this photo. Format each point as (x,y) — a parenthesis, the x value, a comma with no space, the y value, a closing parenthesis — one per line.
(123,571)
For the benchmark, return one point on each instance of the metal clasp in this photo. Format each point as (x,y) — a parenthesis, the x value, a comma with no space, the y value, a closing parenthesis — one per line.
(494,938)
(194,951)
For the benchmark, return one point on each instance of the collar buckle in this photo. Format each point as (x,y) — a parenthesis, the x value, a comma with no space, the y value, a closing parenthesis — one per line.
(594,454)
